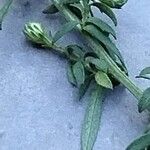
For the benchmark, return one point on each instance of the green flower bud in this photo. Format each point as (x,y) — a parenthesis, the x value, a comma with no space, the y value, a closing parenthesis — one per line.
(35,33)
(114,3)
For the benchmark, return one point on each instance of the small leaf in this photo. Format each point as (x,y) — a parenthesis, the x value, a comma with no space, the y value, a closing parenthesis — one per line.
(144,102)
(103,80)
(107,10)
(77,9)
(140,143)
(69,1)
(51,9)
(84,87)
(79,73)
(71,77)
(114,3)
(4,10)
(65,29)
(102,25)
(75,51)
(92,119)
(145,73)
(99,63)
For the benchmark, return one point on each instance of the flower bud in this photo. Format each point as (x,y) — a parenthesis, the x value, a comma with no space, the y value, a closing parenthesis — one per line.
(35,33)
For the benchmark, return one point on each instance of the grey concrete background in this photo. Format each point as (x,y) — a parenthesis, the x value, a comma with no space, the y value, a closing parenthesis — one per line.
(38,107)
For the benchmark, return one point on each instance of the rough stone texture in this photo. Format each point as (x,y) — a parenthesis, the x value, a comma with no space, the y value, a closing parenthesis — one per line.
(38,107)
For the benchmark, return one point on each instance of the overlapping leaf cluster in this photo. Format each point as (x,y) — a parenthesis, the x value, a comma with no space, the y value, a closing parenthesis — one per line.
(87,65)
(99,64)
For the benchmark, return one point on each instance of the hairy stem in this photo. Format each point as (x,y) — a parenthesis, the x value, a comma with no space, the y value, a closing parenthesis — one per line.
(114,69)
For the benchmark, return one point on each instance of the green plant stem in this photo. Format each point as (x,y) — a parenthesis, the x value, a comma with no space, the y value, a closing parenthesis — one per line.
(114,69)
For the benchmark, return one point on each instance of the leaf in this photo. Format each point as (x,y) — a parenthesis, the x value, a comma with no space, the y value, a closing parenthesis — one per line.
(92,119)
(103,80)
(140,143)
(70,75)
(64,30)
(145,73)
(144,102)
(79,73)
(102,25)
(107,10)
(4,10)
(95,32)
(69,1)
(114,4)
(99,63)
(84,87)
(77,9)
(51,9)
(75,51)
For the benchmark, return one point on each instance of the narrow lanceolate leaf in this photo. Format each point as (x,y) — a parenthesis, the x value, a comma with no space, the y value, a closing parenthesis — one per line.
(107,10)
(84,87)
(102,25)
(145,73)
(51,9)
(103,80)
(79,73)
(92,119)
(95,32)
(140,143)
(69,1)
(114,3)
(65,29)
(4,10)
(71,77)
(144,102)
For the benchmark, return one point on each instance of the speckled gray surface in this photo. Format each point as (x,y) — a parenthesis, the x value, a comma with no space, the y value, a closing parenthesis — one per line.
(38,107)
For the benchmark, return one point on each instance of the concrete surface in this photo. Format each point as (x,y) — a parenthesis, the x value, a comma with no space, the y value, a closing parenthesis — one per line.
(38,107)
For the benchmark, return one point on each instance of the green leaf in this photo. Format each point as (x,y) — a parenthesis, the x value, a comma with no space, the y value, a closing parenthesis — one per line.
(70,75)
(4,10)
(69,1)
(144,102)
(75,51)
(107,10)
(92,119)
(79,73)
(77,9)
(95,32)
(103,80)
(145,73)
(65,29)
(84,87)
(114,3)
(51,9)
(140,143)
(102,25)
(99,63)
